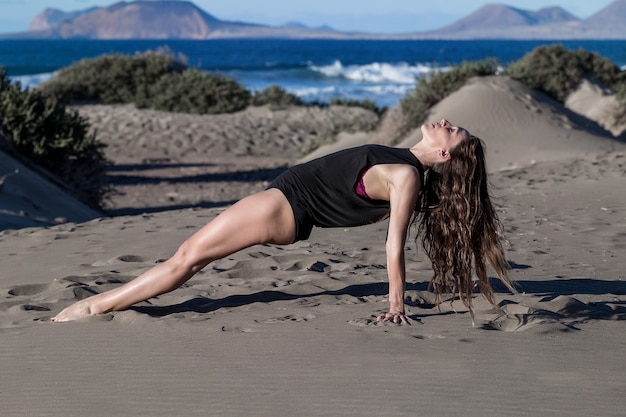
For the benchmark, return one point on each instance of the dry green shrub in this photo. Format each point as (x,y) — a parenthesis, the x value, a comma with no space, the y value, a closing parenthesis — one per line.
(195,91)
(557,71)
(109,79)
(275,96)
(157,80)
(44,132)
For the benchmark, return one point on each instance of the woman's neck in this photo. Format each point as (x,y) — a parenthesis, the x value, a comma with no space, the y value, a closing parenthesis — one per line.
(425,154)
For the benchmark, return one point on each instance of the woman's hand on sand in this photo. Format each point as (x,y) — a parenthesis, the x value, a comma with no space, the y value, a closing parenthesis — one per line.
(397,318)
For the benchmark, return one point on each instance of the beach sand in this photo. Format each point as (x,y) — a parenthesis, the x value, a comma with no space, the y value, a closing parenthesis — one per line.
(291,330)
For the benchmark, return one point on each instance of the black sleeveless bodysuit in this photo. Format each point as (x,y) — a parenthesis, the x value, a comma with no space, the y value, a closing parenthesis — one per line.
(322,191)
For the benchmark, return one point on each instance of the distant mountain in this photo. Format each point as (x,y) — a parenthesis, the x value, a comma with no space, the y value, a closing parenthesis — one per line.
(499,21)
(168,19)
(145,20)
(552,15)
(612,15)
(500,16)
(52,17)
(299,25)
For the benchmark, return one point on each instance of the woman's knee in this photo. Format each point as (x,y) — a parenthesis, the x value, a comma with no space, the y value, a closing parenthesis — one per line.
(187,259)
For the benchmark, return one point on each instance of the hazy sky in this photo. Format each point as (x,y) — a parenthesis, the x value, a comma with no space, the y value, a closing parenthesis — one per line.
(379,16)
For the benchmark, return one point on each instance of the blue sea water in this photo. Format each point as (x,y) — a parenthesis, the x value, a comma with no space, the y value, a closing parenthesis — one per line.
(315,70)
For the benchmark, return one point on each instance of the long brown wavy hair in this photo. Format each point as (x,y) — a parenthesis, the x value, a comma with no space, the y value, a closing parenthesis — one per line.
(459,227)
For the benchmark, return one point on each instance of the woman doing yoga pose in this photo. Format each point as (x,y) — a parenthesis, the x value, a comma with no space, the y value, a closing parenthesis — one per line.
(458,225)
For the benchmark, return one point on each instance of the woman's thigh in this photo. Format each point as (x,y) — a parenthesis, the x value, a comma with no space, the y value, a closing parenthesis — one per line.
(264,217)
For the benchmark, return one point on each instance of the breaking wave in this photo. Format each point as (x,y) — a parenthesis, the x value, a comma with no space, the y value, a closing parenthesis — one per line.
(377,72)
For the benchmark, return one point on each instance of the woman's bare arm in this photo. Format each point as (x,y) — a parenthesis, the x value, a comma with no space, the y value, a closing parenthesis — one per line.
(402,184)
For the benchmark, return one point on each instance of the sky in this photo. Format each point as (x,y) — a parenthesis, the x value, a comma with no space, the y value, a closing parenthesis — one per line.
(376,16)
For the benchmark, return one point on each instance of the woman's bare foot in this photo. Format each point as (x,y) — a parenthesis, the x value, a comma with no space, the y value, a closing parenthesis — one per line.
(79,310)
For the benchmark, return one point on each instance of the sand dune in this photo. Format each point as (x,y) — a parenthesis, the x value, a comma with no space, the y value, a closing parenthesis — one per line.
(518,125)
(29,199)
(291,330)
(166,161)
(595,103)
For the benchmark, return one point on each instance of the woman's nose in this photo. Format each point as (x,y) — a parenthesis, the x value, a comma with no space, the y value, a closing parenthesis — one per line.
(444,122)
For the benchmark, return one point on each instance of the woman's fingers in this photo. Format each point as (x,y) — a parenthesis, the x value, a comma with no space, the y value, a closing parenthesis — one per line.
(396,318)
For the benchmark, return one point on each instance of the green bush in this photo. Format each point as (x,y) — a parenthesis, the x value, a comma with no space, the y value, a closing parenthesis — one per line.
(557,71)
(43,131)
(437,85)
(194,91)
(275,96)
(110,78)
(155,80)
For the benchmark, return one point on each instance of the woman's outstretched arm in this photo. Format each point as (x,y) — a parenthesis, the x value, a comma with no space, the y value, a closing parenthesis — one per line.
(402,183)
(265,217)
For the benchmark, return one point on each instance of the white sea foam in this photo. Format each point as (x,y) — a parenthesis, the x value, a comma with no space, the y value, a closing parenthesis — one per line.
(383,95)
(388,89)
(33,80)
(306,92)
(376,72)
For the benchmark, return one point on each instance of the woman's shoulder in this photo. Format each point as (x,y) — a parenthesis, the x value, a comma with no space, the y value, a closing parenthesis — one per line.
(399,172)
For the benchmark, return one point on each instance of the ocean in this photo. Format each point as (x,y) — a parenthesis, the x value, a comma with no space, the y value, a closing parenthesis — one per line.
(315,70)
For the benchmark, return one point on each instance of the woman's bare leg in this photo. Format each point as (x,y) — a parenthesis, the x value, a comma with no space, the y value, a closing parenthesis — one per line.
(265,217)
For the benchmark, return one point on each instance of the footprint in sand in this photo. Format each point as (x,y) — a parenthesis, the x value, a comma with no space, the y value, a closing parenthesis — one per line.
(259,255)
(35,302)
(291,318)
(25,303)
(13,305)
(28,289)
(237,329)
(30,307)
(362,322)
(120,260)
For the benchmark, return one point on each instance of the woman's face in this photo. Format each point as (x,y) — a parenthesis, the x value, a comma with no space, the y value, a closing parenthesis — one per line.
(443,134)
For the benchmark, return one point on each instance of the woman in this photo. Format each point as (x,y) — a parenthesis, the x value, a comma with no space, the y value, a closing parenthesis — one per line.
(458,224)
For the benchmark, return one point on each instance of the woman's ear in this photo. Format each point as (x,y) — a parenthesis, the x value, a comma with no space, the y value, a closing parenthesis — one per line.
(443,154)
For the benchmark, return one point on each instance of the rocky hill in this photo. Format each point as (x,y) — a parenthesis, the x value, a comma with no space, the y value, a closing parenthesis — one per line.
(155,20)
(500,16)
(52,17)
(612,16)
(145,20)
(499,21)
(183,20)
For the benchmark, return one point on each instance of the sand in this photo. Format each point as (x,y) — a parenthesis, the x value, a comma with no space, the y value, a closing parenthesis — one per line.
(30,198)
(279,331)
